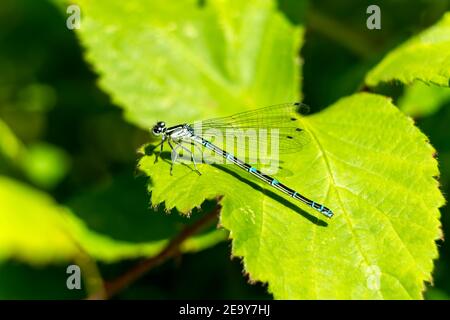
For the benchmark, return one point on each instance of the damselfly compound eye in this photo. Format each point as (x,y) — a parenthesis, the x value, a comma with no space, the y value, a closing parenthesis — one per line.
(159,128)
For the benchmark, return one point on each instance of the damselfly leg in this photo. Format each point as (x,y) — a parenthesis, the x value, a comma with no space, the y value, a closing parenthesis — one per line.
(175,155)
(161,145)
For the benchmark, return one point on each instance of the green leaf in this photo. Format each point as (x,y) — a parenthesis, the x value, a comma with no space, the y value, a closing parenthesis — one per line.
(119,210)
(371,166)
(35,229)
(45,165)
(11,148)
(421,100)
(32,226)
(180,61)
(425,57)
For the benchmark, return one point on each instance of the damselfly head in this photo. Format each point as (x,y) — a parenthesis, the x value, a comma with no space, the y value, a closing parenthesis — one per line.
(159,128)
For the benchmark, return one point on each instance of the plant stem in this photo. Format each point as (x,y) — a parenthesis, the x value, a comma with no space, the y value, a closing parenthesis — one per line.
(113,287)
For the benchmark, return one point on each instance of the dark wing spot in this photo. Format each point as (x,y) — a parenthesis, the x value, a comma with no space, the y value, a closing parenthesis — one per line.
(298,129)
(289,137)
(293,119)
(296,103)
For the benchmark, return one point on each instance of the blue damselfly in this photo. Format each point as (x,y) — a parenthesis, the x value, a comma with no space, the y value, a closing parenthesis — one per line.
(283,118)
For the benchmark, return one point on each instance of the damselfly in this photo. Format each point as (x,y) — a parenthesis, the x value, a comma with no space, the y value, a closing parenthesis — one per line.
(282,118)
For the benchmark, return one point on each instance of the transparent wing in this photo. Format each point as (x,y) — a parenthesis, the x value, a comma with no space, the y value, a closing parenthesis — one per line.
(269,117)
(276,125)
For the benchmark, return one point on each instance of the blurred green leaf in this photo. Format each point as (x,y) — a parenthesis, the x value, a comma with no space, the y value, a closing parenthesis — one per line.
(421,100)
(182,61)
(11,148)
(425,57)
(35,229)
(119,209)
(32,226)
(371,166)
(45,165)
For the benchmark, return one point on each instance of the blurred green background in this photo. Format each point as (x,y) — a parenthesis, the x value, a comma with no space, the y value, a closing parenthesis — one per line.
(79,148)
